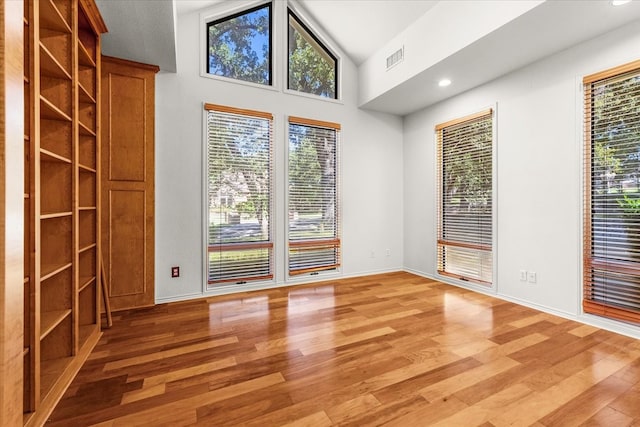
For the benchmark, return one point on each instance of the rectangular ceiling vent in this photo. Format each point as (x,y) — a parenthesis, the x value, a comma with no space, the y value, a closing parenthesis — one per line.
(395,58)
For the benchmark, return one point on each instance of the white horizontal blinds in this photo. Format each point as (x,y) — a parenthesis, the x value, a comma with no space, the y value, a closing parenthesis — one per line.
(314,228)
(612,193)
(239,187)
(465,198)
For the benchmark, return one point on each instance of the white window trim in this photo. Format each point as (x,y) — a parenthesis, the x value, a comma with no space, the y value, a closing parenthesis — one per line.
(222,10)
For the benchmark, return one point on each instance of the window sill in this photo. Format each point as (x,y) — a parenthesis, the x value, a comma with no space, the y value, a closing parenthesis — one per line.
(312,96)
(239,82)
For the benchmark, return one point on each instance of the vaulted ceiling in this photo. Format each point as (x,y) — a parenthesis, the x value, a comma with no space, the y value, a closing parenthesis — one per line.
(145,31)
(358,26)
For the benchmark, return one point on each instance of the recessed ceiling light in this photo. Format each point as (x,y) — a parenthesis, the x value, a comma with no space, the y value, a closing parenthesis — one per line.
(619,2)
(444,82)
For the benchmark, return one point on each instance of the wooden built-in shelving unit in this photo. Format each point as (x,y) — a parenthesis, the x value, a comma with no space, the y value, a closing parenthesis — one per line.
(61,305)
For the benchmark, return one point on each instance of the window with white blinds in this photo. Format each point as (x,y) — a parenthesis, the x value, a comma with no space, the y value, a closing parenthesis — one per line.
(465,202)
(239,189)
(313,196)
(612,193)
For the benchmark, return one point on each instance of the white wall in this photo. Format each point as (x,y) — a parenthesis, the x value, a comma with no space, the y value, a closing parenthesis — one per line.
(371,167)
(539,175)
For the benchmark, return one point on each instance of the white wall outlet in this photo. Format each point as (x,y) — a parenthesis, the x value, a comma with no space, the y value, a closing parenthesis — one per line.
(523,275)
(388,253)
(532,277)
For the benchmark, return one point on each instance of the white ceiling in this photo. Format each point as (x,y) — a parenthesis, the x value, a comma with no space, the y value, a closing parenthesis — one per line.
(358,26)
(144,31)
(549,28)
(361,27)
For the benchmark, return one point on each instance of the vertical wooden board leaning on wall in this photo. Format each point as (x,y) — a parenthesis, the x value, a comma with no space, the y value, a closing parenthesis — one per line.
(11,209)
(127,182)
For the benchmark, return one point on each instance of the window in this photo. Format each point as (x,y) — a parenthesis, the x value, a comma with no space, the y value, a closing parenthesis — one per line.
(314,226)
(465,171)
(312,67)
(239,188)
(612,195)
(239,46)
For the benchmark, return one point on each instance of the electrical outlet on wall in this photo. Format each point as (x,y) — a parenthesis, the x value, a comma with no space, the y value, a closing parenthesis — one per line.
(175,271)
(523,275)
(532,277)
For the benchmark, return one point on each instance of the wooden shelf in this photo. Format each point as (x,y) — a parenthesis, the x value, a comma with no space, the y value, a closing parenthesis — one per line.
(51,18)
(51,112)
(85,96)
(87,247)
(51,371)
(86,281)
(84,130)
(86,169)
(61,84)
(48,156)
(50,270)
(49,65)
(50,319)
(84,57)
(85,332)
(55,215)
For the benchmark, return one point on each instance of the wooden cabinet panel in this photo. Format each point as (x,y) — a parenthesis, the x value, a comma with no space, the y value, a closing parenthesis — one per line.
(127,250)
(127,154)
(127,225)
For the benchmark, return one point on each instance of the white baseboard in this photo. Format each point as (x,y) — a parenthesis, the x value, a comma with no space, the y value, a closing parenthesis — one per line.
(261,286)
(587,319)
(617,327)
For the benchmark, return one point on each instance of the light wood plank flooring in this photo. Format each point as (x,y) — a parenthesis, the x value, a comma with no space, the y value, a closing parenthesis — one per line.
(392,349)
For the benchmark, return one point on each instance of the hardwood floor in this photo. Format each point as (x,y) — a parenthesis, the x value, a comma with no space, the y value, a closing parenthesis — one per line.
(392,349)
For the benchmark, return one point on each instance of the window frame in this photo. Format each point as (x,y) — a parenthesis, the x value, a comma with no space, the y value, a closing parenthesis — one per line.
(458,278)
(222,12)
(336,241)
(591,262)
(242,283)
(323,40)
(291,12)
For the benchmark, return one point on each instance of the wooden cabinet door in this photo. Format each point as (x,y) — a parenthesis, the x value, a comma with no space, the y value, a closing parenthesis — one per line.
(127,157)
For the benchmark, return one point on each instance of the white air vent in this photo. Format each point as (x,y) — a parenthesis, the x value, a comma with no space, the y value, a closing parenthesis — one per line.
(395,58)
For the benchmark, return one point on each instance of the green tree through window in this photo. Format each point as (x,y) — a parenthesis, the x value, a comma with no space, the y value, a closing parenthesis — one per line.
(239,46)
(612,196)
(314,233)
(312,67)
(465,214)
(239,187)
